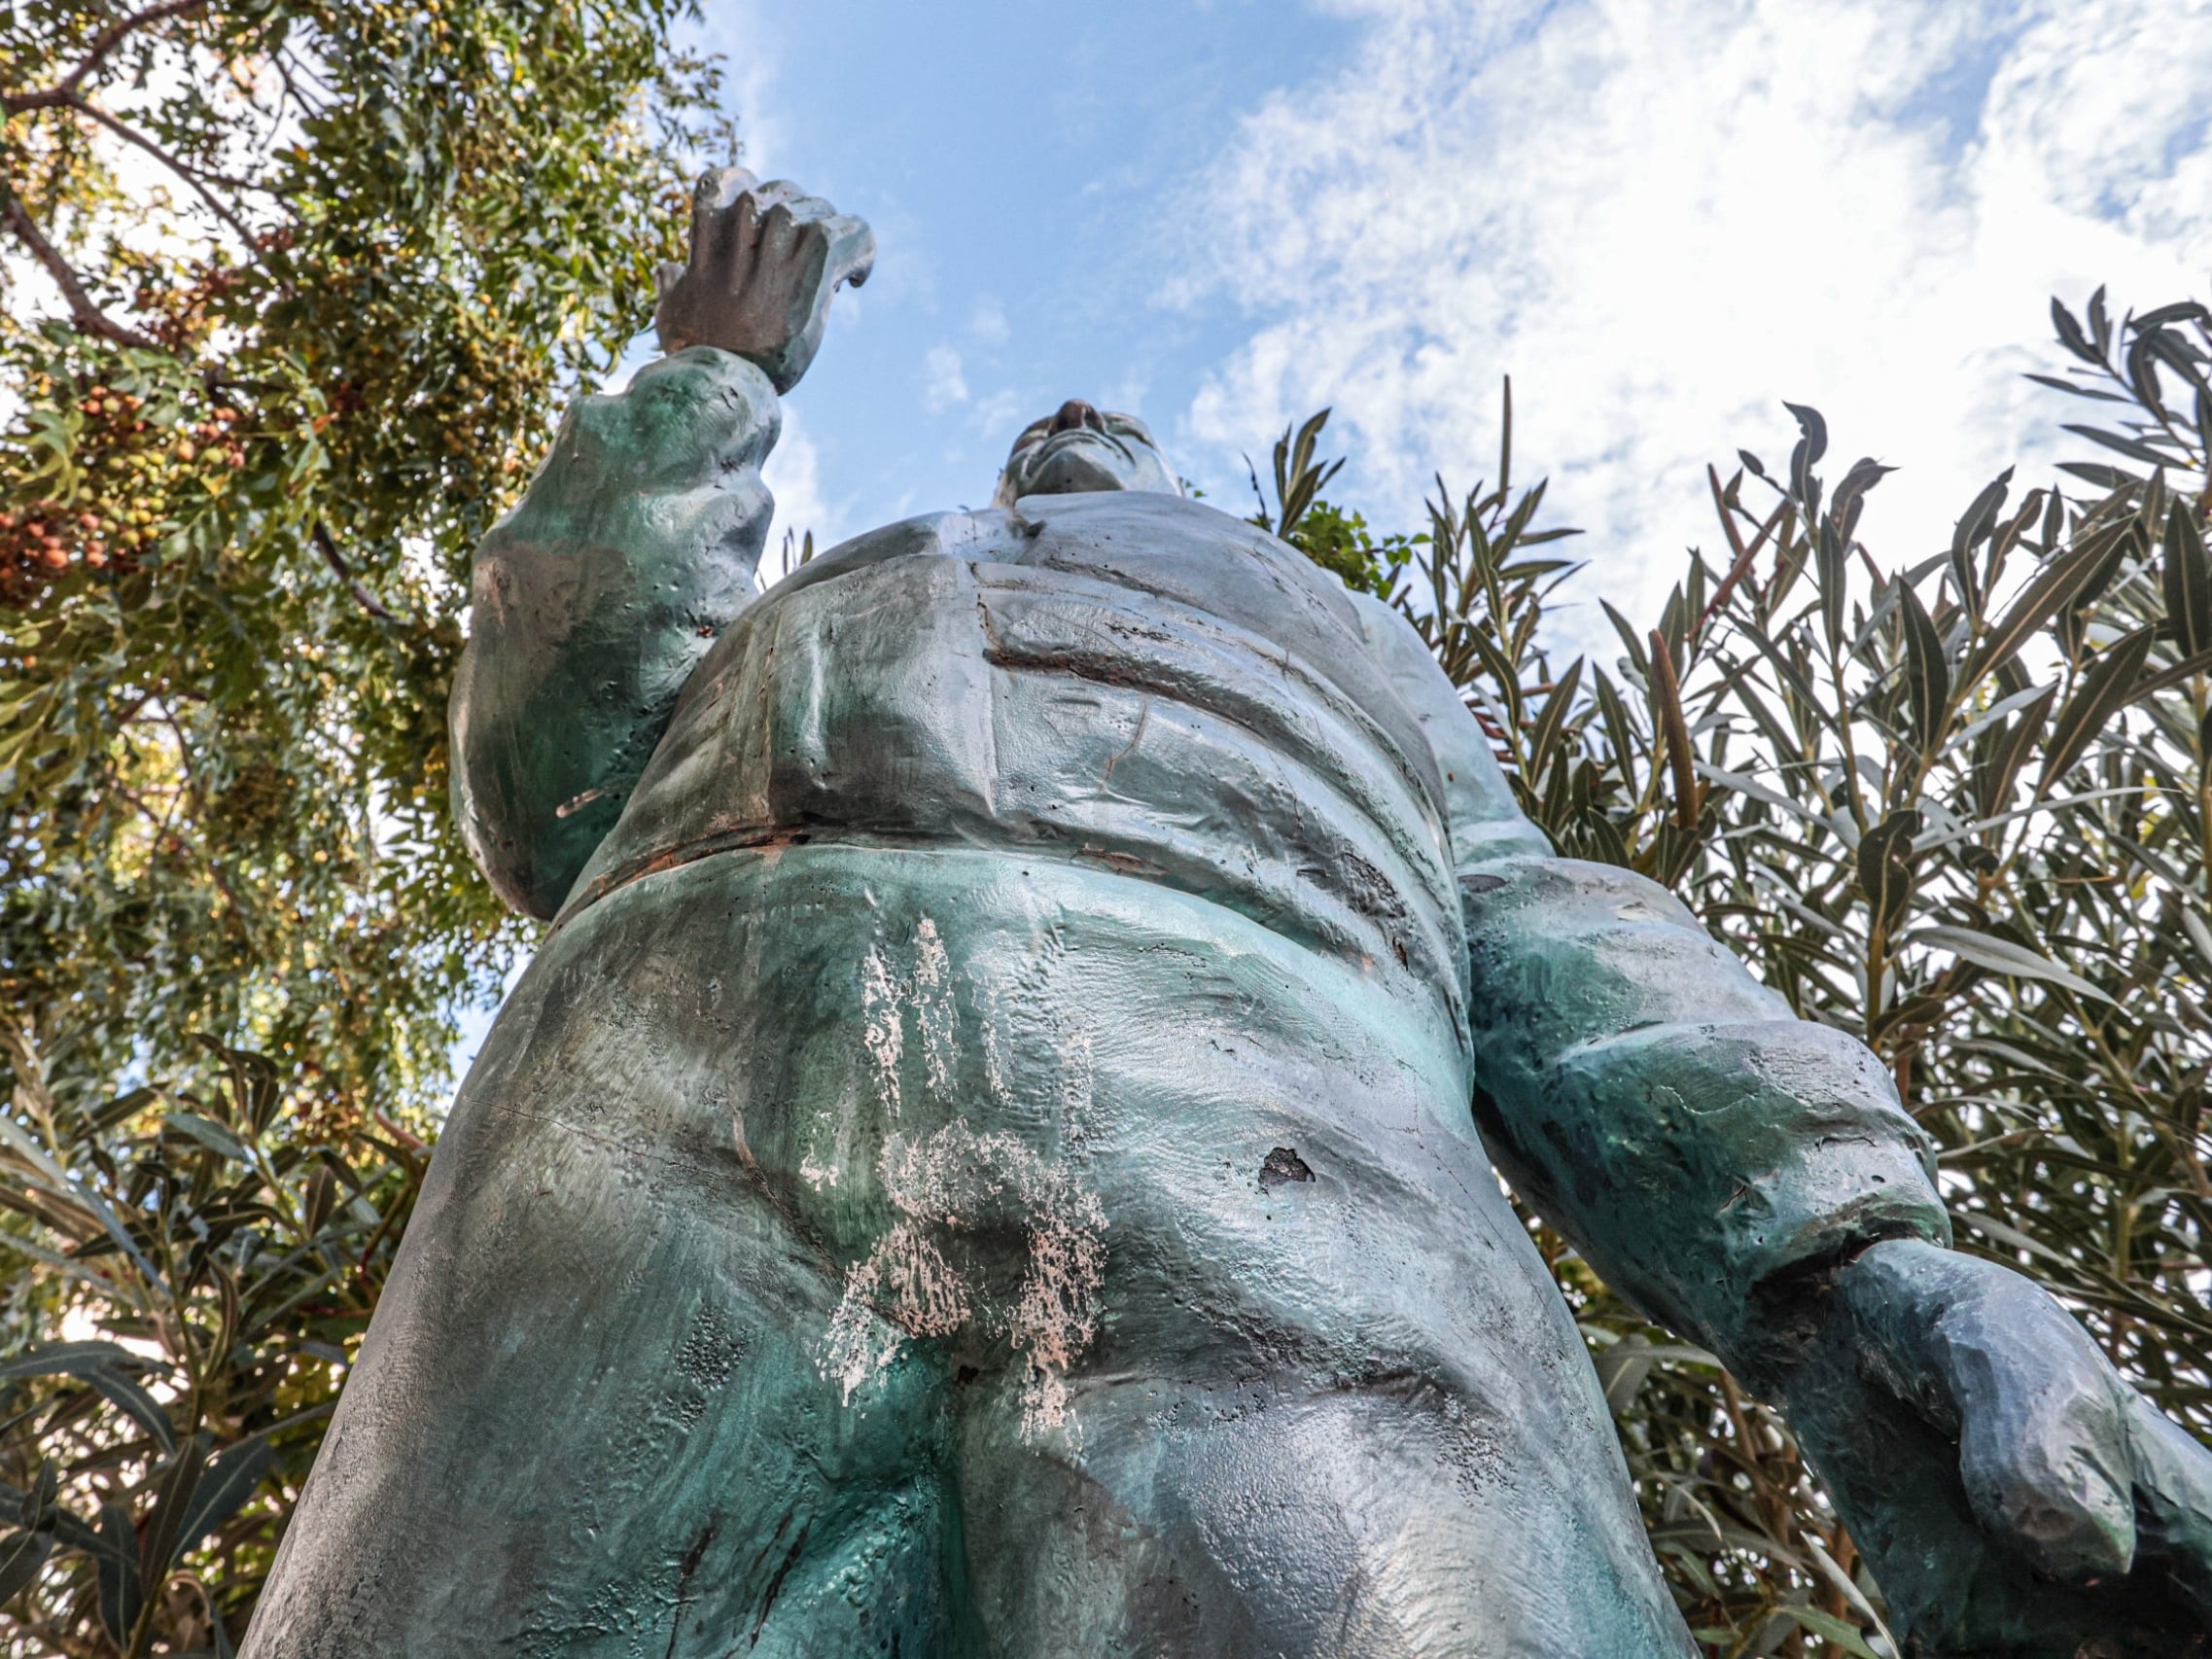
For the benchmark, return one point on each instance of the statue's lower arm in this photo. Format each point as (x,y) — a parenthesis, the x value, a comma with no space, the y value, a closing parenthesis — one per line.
(637,542)
(1751,1180)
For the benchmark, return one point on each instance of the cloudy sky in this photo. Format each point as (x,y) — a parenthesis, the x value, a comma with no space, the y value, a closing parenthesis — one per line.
(1662,217)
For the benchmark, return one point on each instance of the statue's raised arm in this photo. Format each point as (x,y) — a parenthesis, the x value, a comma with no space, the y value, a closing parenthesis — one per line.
(637,539)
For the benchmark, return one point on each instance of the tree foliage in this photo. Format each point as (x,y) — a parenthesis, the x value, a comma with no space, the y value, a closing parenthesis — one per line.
(290,294)
(1956,805)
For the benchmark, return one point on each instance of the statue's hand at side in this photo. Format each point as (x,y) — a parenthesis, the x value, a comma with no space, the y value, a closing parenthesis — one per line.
(764,261)
(2014,1496)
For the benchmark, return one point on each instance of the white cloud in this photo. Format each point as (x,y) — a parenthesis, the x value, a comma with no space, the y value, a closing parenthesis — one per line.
(987,322)
(997,417)
(1664,215)
(792,473)
(945,384)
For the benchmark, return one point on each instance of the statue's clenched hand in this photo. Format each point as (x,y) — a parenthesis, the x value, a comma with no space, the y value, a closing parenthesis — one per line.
(764,261)
(2013,1494)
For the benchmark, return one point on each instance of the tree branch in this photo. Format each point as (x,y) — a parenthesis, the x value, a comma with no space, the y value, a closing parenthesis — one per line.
(366,600)
(103,42)
(309,108)
(184,170)
(83,310)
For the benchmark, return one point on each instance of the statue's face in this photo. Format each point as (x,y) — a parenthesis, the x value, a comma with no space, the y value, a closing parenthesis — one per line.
(1077,448)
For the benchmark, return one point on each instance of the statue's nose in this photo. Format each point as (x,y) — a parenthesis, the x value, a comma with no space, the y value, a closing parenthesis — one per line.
(1075,412)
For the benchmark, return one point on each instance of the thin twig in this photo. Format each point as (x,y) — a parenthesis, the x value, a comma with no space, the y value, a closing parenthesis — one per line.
(105,42)
(366,600)
(83,309)
(229,181)
(1744,554)
(190,174)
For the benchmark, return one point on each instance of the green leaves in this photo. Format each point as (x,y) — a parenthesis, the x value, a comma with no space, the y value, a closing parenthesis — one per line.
(239,480)
(1928,673)
(225,1485)
(108,1367)
(2074,574)
(1885,868)
(1298,479)
(244,1272)
(122,1584)
(2003,748)
(2002,956)
(22,1555)
(1337,541)
(1974,527)
(2110,685)
(2187,581)
(231,555)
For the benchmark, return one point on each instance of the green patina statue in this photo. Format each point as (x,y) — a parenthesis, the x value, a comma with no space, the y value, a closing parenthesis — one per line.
(995,1155)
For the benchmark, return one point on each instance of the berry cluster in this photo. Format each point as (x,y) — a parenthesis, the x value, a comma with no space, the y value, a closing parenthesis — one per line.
(129,463)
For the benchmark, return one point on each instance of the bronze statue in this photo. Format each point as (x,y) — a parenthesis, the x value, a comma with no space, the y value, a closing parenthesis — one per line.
(995,1155)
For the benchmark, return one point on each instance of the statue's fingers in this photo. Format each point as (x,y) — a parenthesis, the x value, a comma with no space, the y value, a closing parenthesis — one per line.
(810,209)
(2044,1436)
(720,246)
(852,250)
(729,183)
(776,191)
(778,235)
(848,247)
(711,198)
(2173,1502)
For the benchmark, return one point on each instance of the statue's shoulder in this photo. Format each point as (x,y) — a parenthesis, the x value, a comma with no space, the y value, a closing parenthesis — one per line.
(992,536)
(1195,555)
(1178,548)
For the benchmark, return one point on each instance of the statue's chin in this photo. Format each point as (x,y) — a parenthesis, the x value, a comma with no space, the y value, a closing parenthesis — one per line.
(1077,468)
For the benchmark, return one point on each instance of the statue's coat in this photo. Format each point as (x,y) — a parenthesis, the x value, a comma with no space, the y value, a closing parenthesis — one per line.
(987,1161)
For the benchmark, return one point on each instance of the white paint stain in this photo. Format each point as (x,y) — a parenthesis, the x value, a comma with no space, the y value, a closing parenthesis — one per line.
(932,1000)
(955,1182)
(941,1270)
(883,1026)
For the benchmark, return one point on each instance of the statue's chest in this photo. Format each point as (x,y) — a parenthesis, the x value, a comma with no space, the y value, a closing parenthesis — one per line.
(946,698)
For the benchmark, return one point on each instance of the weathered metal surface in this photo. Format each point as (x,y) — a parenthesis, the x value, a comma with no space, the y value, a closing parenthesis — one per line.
(984,1163)
(592,602)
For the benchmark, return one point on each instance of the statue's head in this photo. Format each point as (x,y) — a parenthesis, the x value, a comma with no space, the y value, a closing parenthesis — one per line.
(1077,448)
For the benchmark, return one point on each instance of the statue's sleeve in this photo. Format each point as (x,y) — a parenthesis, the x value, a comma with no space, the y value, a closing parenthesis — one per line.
(1695,1139)
(591,603)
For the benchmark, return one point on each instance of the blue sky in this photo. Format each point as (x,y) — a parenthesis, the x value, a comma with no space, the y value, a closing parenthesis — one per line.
(1024,168)
(1663,216)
